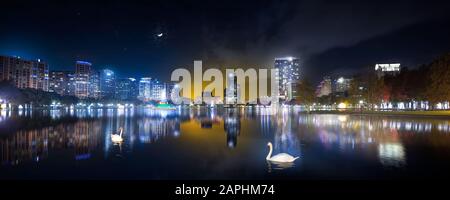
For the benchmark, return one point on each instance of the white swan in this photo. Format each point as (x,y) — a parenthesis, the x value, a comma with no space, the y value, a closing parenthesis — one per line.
(117,138)
(281,157)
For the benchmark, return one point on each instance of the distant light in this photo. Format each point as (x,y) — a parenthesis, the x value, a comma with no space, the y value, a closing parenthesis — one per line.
(342,105)
(176,133)
(388,67)
(285,59)
(39,60)
(340,80)
(160,35)
(84,63)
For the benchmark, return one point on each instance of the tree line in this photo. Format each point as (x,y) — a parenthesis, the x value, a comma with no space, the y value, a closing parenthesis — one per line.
(429,82)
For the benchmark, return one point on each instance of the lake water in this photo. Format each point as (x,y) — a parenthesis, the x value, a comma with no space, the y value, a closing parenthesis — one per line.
(202,143)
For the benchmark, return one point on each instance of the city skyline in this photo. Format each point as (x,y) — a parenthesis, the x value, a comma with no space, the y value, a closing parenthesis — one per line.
(87,82)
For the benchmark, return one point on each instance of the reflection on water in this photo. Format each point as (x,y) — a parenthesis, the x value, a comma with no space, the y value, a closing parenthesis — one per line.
(151,130)
(391,154)
(34,145)
(315,138)
(285,137)
(278,166)
(232,127)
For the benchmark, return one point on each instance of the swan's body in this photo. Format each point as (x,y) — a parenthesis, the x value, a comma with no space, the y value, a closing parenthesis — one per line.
(117,138)
(281,157)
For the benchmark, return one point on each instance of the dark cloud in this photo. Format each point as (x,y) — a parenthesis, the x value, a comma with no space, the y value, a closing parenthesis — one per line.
(307,28)
(411,46)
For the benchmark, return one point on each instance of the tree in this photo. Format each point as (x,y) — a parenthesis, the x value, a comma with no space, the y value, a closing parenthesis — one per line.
(438,87)
(306,93)
(416,82)
(395,87)
(10,93)
(37,98)
(374,92)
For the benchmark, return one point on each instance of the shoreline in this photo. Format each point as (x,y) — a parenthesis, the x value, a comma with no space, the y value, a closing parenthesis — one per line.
(443,114)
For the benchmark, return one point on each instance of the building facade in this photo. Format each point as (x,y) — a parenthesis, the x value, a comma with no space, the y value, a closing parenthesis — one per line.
(145,87)
(288,70)
(169,88)
(107,83)
(62,82)
(387,69)
(94,85)
(342,85)
(154,90)
(126,89)
(232,90)
(325,87)
(83,72)
(24,73)
(158,91)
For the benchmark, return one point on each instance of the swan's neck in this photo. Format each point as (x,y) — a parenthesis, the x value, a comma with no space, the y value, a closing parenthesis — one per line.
(120,134)
(270,153)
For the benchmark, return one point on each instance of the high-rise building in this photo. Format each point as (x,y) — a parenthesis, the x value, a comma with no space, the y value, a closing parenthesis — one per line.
(82,74)
(145,88)
(70,90)
(94,85)
(127,89)
(387,69)
(325,87)
(169,88)
(61,82)
(158,91)
(155,90)
(39,75)
(232,91)
(342,85)
(107,83)
(24,73)
(57,82)
(288,77)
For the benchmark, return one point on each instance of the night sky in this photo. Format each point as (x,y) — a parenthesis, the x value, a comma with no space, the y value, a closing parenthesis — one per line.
(330,37)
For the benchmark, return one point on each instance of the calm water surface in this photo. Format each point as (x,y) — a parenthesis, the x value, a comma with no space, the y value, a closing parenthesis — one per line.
(203,143)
